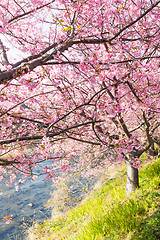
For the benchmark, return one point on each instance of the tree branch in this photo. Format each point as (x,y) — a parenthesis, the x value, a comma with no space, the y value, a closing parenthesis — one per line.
(18,70)
(133,91)
(27,66)
(139,153)
(76,108)
(27,13)
(36,95)
(38,137)
(84,141)
(4,162)
(27,119)
(136,20)
(101,63)
(3,54)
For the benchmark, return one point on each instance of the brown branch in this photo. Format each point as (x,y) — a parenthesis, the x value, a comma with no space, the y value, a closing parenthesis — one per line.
(120,118)
(27,13)
(83,141)
(136,128)
(3,54)
(4,162)
(133,91)
(136,20)
(25,65)
(36,95)
(76,108)
(108,91)
(101,63)
(36,56)
(139,153)
(27,119)
(93,127)
(38,137)
(29,66)
(123,125)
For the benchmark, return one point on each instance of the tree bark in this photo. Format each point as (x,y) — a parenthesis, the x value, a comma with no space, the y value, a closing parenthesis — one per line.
(3,54)
(132,178)
(152,149)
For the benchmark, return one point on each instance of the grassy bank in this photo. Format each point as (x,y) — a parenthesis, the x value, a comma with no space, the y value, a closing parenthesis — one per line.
(109,214)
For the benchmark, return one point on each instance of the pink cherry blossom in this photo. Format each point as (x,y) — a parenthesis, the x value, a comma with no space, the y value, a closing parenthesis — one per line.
(77,80)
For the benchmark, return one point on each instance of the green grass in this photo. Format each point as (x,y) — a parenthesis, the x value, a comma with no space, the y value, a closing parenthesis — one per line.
(109,214)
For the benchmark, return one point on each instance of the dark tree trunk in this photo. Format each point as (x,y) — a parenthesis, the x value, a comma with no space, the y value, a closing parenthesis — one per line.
(132,178)
(3,54)
(152,149)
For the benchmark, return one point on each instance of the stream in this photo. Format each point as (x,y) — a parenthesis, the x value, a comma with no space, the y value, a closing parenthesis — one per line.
(27,205)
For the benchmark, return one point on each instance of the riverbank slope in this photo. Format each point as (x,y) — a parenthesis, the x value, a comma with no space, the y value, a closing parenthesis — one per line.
(108,213)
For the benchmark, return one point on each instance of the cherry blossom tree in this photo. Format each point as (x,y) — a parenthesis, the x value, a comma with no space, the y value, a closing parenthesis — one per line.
(78,78)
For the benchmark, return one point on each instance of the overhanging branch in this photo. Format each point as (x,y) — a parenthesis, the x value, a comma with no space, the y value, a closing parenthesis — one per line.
(18,69)
(20,16)
(53,134)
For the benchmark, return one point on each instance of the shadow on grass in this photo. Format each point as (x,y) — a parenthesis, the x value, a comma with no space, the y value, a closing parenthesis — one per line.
(150,229)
